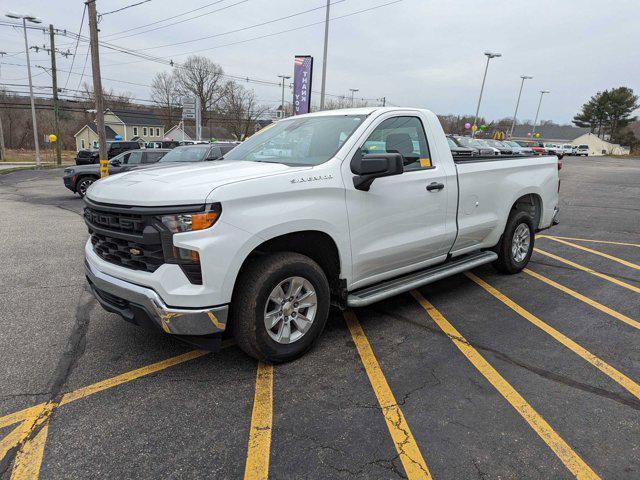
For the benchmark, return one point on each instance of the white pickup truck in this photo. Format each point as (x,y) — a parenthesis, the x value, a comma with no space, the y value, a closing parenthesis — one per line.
(343,208)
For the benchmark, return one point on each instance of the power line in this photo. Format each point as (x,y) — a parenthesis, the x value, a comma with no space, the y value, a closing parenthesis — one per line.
(239,29)
(123,8)
(75,50)
(163,20)
(181,21)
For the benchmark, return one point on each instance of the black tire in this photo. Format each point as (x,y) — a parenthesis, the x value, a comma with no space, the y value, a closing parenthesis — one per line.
(506,262)
(82,184)
(250,299)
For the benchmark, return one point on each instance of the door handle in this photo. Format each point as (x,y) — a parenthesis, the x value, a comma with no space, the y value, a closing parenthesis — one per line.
(435,186)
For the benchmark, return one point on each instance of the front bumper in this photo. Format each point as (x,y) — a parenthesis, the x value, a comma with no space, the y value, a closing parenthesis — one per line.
(70,182)
(143,306)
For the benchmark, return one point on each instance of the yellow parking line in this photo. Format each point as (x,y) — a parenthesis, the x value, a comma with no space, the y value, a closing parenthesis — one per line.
(595,252)
(29,457)
(589,270)
(406,446)
(589,240)
(587,300)
(257,465)
(617,376)
(565,453)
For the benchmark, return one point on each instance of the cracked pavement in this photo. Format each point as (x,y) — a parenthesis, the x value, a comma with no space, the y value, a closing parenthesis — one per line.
(192,420)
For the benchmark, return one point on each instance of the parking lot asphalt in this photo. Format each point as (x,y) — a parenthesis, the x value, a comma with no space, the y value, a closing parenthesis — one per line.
(481,375)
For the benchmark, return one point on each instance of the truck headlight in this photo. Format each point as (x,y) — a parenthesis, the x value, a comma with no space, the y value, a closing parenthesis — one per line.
(189,222)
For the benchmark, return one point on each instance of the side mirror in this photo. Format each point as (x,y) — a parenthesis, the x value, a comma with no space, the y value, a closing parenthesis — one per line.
(374,165)
(115,162)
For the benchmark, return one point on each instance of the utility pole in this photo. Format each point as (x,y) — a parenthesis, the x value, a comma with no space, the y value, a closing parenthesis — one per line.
(384,101)
(324,56)
(513,123)
(56,111)
(2,156)
(283,77)
(31,19)
(533,130)
(97,87)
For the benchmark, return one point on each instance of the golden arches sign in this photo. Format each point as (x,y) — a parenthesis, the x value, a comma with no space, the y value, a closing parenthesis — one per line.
(498,135)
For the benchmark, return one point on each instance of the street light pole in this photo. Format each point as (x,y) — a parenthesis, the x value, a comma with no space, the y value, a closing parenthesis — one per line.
(2,156)
(283,77)
(56,109)
(533,130)
(324,56)
(489,55)
(353,90)
(31,19)
(513,124)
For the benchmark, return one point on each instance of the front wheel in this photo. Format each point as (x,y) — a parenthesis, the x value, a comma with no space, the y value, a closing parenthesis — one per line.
(83,184)
(280,306)
(516,245)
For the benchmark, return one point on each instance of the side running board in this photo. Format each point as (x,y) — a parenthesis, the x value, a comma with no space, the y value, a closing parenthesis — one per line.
(389,288)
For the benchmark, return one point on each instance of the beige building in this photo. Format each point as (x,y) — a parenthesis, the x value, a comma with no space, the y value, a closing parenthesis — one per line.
(598,146)
(129,125)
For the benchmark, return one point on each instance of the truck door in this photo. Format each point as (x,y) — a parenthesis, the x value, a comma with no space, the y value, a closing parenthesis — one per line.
(402,223)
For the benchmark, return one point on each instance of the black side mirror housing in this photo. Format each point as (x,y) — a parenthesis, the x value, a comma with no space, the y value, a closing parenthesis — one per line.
(374,165)
(115,163)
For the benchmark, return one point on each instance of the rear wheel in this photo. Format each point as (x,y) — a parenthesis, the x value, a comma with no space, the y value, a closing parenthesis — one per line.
(83,184)
(516,245)
(280,307)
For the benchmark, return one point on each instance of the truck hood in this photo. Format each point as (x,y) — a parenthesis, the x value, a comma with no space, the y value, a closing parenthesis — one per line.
(180,184)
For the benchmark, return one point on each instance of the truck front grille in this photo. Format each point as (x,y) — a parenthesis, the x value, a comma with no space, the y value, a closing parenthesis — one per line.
(118,222)
(137,256)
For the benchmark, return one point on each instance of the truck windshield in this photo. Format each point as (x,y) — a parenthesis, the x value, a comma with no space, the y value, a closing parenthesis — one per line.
(298,141)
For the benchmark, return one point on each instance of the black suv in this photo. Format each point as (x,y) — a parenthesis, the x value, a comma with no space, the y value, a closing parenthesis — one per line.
(114,148)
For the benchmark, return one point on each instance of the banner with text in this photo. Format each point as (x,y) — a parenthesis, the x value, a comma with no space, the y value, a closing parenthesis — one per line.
(302,73)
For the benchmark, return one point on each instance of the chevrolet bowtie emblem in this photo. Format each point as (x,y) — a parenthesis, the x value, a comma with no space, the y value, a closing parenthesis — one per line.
(134,251)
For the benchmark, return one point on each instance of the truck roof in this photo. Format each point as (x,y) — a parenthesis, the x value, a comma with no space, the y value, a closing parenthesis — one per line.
(358,111)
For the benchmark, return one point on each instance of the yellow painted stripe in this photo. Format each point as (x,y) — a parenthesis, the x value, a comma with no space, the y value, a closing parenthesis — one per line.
(33,448)
(595,252)
(565,453)
(619,377)
(585,299)
(406,446)
(28,460)
(590,240)
(589,270)
(257,465)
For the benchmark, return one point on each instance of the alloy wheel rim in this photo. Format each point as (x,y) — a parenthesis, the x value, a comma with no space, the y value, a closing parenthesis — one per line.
(290,310)
(84,185)
(521,242)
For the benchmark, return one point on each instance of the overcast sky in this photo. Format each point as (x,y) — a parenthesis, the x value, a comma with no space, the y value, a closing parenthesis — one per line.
(415,52)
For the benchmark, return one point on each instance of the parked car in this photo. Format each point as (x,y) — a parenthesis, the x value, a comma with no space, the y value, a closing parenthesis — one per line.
(581,150)
(484,143)
(518,149)
(567,149)
(79,178)
(162,144)
(460,151)
(473,143)
(552,148)
(262,243)
(502,147)
(114,148)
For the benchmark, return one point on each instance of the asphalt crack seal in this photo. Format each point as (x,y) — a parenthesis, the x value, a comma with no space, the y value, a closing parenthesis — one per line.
(74,349)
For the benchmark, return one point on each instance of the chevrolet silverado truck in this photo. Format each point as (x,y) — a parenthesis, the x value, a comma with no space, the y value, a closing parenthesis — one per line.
(343,208)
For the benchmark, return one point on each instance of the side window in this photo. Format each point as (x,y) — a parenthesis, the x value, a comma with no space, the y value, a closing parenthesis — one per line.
(134,158)
(403,135)
(214,153)
(82,143)
(144,131)
(135,131)
(152,157)
(157,132)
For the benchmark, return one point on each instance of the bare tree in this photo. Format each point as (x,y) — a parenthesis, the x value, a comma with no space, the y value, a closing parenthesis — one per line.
(203,78)
(112,99)
(344,102)
(241,110)
(164,93)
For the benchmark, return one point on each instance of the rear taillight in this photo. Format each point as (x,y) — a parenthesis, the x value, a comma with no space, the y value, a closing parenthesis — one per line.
(559,164)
